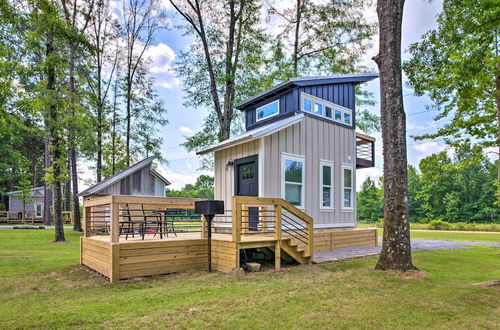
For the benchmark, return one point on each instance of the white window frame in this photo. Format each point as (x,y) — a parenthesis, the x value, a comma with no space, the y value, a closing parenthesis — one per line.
(344,208)
(330,164)
(313,99)
(41,210)
(266,105)
(300,158)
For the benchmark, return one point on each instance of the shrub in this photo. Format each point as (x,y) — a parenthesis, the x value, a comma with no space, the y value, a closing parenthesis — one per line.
(439,225)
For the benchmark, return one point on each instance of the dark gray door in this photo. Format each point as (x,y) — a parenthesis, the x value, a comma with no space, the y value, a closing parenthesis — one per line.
(247,184)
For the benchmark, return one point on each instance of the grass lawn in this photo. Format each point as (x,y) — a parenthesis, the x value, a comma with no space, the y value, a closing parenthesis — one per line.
(42,286)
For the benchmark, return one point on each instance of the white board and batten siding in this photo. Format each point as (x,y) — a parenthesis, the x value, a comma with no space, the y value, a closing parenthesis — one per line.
(316,141)
(224,175)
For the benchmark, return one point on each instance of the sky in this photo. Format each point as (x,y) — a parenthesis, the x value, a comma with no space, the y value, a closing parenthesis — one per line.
(182,168)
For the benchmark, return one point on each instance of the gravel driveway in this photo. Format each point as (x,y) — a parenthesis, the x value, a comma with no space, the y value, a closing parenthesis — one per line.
(416,244)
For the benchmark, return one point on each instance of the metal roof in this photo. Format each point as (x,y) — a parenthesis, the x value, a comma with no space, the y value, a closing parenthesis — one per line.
(255,133)
(118,176)
(308,81)
(15,192)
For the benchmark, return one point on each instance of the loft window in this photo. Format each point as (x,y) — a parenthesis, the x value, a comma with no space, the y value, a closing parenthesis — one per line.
(326,185)
(293,179)
(328,112)
(338,115)
(307,105)
(325,109)
(347,184)
(318,109)
(268,110)
(347,118)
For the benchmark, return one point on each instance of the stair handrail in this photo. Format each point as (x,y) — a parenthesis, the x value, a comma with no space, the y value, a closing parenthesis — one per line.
(279,205)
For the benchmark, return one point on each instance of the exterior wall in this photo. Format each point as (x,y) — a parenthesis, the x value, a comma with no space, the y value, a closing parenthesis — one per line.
(224,177)
(341,94)
(15,204)
(315,140)
(141,183)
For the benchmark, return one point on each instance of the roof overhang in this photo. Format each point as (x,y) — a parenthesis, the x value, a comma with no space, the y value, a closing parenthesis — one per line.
(254,134)
(355,79)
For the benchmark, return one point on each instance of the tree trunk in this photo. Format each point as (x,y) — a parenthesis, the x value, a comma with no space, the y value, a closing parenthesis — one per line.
(113,130)
(129,97)
(77,224)
(396,249)
(55,142)
(497,100)
(67,188)
(100,106)
(295,55)
(72,151)
(47,189)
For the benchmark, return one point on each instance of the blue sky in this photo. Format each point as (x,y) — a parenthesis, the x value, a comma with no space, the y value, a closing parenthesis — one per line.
(419,17)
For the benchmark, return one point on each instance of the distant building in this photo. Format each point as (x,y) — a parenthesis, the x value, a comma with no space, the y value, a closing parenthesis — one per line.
(141,179)
(16,204)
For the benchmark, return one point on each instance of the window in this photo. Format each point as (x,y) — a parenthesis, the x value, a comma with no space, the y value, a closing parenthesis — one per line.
(338,115)
(38,210)
(318,108)
(347,118)
(326,185)
(325,109)
(347,184)
(247,172)
(307,105)
(268,110)
(292,188)
(328,112)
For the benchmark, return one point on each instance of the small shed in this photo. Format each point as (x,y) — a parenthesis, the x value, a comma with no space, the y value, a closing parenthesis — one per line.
(140,179)
(16,206)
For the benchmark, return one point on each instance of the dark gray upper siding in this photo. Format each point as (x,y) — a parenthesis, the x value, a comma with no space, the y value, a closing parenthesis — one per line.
(338,89)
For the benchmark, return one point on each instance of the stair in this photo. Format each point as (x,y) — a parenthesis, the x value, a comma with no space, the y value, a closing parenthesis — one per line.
(294,251)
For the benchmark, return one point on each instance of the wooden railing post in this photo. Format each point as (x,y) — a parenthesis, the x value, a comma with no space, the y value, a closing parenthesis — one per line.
(114,218)
(278,209)
(86,220)
(310,236)
(203,227)
(236,220)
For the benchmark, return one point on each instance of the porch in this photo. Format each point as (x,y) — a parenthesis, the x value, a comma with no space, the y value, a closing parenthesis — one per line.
(130,236)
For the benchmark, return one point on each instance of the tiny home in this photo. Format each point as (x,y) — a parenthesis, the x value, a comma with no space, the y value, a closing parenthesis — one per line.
(140,179)
(33,209)
(301,145)
(288,184)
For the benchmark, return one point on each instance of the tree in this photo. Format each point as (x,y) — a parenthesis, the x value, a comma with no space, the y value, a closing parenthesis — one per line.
(77,15)
(223,60)
(24,185)
(323,37)
(141,20)
(458,66)
(370,202)
(202,188)
(416,212)
(396,249)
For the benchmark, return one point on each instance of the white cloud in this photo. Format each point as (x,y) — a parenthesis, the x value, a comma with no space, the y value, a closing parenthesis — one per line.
(186,130)
(372,172)
(162,58)
(428,148)
(179,180)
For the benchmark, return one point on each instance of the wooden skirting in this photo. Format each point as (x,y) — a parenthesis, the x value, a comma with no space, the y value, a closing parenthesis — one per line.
(331,239)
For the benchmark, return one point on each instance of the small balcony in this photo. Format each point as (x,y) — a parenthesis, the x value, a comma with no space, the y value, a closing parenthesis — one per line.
(365,151)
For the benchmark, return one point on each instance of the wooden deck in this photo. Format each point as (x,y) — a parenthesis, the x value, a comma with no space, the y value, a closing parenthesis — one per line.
(118,257)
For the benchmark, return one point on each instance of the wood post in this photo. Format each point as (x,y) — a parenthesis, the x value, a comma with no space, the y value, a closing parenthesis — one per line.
(277,255)
(115,222)
(86,221)
(310,238)
(115,262)
(236,220)
(277,221)
(203,227)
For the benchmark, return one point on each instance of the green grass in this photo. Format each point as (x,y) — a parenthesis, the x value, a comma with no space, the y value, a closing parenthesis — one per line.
(452,236)
(43,287)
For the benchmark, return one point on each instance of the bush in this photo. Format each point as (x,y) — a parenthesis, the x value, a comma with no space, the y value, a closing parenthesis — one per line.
(439,225)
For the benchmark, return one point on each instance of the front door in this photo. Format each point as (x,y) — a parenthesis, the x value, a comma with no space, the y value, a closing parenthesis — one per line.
(247,184)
